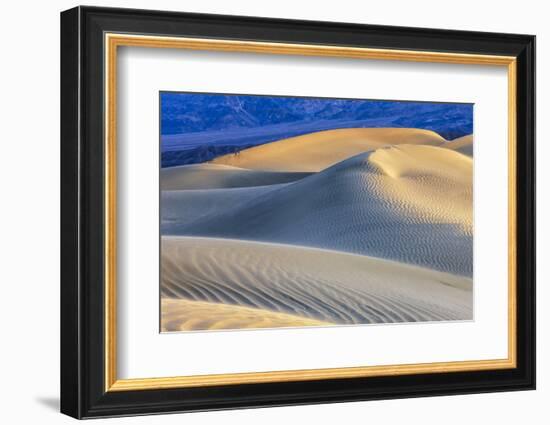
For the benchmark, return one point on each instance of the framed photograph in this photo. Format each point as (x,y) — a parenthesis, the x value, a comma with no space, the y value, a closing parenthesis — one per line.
(261,212)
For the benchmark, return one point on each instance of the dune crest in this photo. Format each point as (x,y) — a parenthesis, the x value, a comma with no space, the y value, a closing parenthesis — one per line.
(436,182)
(317,151)
(396,203)
(464,144)
(219,176)
(422,161)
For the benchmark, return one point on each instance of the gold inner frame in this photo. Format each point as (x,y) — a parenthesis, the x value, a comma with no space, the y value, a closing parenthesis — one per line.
(113,41)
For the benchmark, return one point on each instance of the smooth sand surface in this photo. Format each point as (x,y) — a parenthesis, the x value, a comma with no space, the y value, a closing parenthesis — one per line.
(216,176)
(407,203)
(185,315)
(317,151)
(242,284)
(336,227)
(184,207)
(464,144)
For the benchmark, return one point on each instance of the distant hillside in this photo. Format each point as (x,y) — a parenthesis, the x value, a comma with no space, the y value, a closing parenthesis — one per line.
(192,124)
(199,154)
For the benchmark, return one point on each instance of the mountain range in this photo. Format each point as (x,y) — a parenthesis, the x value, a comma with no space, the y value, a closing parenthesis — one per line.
(200,127)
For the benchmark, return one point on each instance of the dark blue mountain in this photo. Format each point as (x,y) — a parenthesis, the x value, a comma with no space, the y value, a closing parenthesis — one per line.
(198,127)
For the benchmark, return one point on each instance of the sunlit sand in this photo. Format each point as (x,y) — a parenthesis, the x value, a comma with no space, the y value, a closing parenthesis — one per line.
(317,151)
(350,226)
(299,283)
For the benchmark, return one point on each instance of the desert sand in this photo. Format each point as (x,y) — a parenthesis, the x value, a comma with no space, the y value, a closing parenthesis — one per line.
(325,286)
(405,203)
(180,314)
(464,144)
(181,208)
(218,176)
(335,227)
(317,151)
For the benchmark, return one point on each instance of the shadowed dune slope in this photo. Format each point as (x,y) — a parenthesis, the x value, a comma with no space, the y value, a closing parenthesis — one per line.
(212,176)
(186,315)
(317,151)
(289,283)
(464,144)
(407,203)
(184,207)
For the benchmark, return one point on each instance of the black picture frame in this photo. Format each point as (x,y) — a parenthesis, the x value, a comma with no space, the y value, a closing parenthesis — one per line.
(83,392)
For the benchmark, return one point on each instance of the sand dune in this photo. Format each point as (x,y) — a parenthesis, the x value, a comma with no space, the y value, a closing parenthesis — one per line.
(211,176)
(285,284)
(317,151)
(464,144)
(184,207)
(407,203)
(270,237)
(436,185)
(186,315)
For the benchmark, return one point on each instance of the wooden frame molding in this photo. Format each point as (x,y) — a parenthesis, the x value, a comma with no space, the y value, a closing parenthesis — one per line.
(113,41)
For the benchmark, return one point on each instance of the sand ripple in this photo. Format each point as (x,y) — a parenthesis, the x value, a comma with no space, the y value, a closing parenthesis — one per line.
(325,286)
(341,227)
(411,204)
